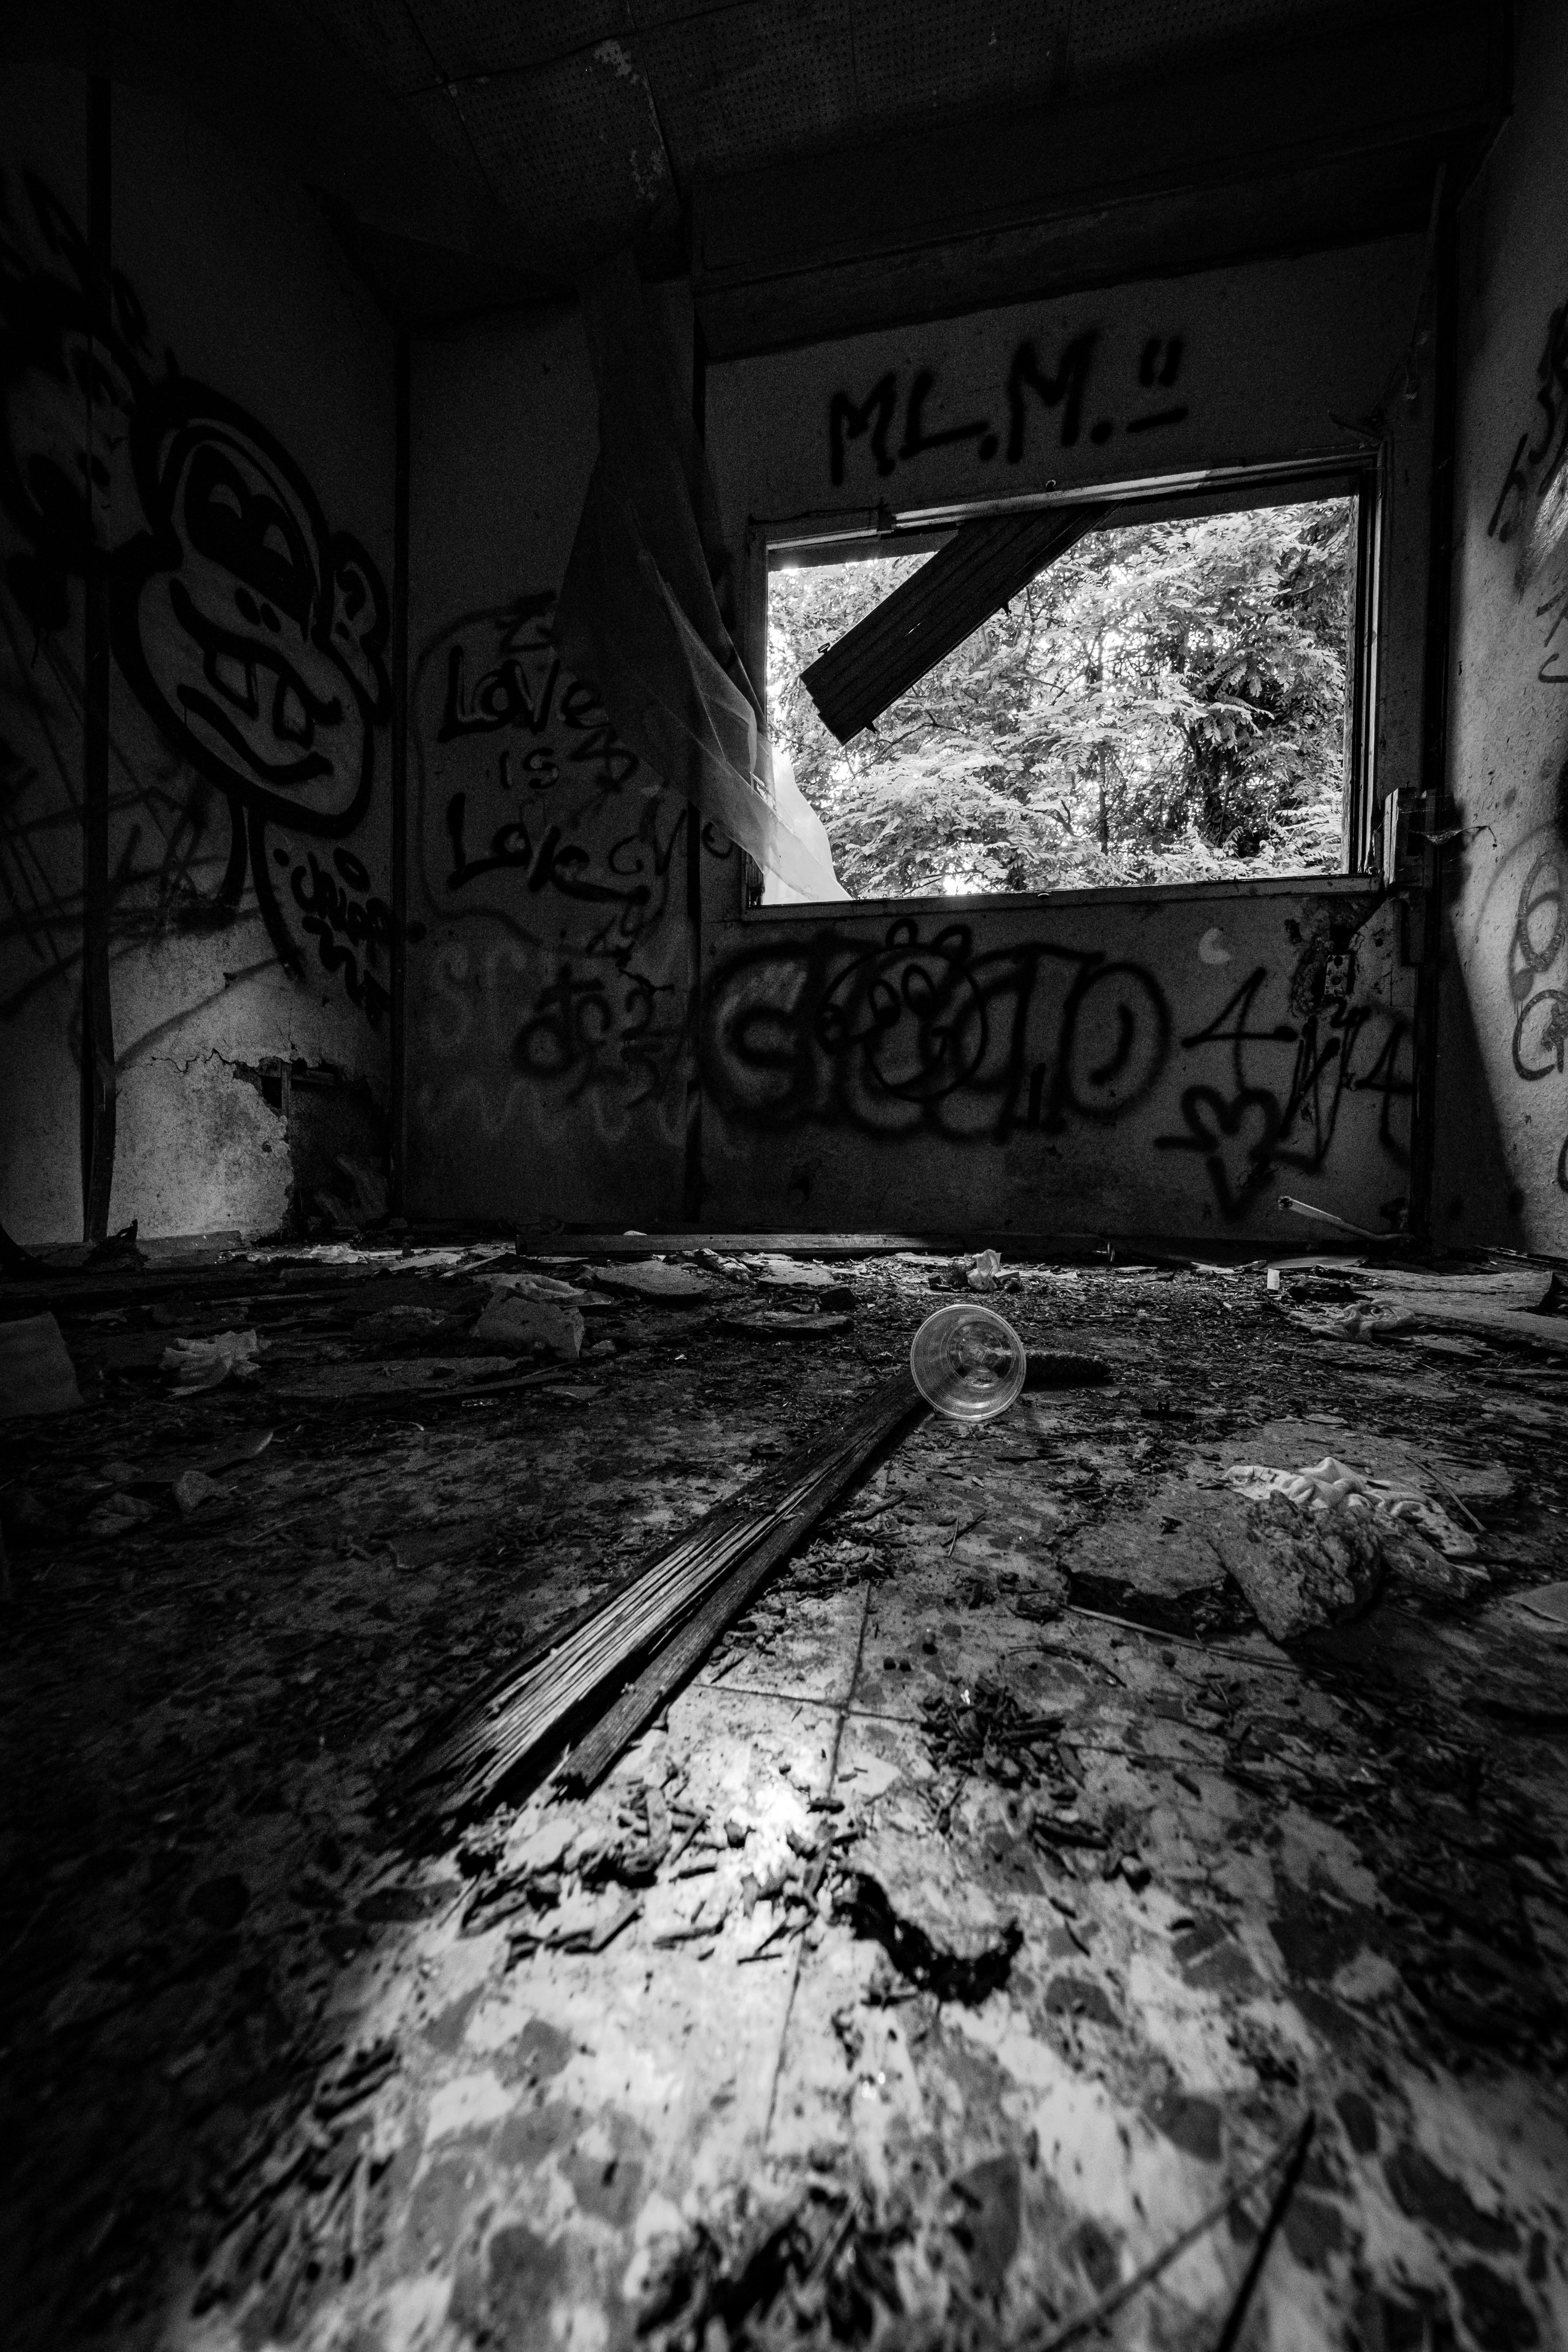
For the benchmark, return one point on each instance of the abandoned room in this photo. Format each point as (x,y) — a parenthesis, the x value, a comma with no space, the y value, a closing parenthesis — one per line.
(784,1175)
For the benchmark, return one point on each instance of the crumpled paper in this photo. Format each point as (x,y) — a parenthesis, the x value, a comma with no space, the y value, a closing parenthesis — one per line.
(202,1363)
(985,1270)
(1355,1322)
(1329,1485)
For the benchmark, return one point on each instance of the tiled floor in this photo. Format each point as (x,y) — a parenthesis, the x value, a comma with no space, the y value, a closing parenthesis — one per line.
(272,2091)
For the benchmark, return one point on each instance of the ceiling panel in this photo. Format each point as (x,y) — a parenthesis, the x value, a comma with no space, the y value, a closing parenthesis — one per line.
(1112,39)
(480,36)
(572,150)
(380,36)
(592,120)
(443,125)
(917,61)
(741,85)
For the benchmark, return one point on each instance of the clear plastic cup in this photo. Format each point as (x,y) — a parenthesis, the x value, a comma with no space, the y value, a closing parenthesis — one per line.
(968,1363)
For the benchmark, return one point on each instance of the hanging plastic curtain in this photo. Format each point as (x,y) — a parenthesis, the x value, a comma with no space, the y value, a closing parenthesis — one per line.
(640,612)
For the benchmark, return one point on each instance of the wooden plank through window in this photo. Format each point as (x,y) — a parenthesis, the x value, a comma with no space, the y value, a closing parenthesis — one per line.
(983,566)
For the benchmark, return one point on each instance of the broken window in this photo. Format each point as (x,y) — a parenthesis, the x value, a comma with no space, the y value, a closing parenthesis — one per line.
(1162,700)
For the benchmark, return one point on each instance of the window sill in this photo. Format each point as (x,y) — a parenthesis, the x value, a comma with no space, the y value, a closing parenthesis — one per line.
(1121,894)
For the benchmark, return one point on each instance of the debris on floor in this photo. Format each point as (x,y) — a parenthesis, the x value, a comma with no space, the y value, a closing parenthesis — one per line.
(519,1322)
(1329,1485)
(953,1948)
(37,1375)
(202,1363)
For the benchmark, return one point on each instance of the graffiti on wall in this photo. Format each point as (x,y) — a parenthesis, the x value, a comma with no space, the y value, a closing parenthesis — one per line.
(251,631)
(926,1036)
(537,826)
(1532,509)
(1537,978)
(1530,515)
(1278,1106)
(917,1035)
(1050,392)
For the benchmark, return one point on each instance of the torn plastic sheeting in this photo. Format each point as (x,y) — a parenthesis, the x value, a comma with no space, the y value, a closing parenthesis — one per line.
(618,622)
(638,612)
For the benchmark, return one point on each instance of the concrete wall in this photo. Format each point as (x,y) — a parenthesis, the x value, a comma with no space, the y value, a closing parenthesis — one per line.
(1122,1062)
(548,974)
(243,420)
(1503,1110)
(1135,1063)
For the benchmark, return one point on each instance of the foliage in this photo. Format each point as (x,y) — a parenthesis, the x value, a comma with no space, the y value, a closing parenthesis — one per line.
(1165,702)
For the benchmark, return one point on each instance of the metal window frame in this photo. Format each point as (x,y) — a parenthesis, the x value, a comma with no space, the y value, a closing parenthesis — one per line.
(807,541)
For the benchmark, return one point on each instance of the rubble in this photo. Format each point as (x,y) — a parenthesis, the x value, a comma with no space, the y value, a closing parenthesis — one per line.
(657,1282)
(1043,1794)
(1329,1485)
(785,1323)
(37,1375)
(513,1321)
(1301,1571)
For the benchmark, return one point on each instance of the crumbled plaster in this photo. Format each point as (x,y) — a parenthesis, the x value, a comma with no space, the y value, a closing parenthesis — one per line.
(198,1148)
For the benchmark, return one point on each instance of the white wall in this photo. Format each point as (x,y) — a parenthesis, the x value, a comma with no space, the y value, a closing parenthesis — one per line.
(1502,1168)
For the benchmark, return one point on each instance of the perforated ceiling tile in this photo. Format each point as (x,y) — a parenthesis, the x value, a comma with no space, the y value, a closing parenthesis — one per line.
(744,87)
(437,114)
(572,150)
(918,60)
(1127,34)
(474,37)
(643,13)
(380,36)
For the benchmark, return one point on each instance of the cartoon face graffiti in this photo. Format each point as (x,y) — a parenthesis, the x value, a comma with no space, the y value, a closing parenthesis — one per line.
(254,636)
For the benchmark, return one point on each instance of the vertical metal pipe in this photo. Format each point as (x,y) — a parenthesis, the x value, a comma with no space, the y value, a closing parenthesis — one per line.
(691,1189)
(98,1071)
(1429,906)
(398,1106)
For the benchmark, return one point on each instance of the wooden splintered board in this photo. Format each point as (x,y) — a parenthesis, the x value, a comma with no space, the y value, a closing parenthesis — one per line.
(696,1587)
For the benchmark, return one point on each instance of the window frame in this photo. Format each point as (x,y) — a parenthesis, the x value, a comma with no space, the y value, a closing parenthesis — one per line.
(818,541)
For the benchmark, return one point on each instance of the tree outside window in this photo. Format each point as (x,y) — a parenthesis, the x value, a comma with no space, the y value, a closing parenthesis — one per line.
(1166,702)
